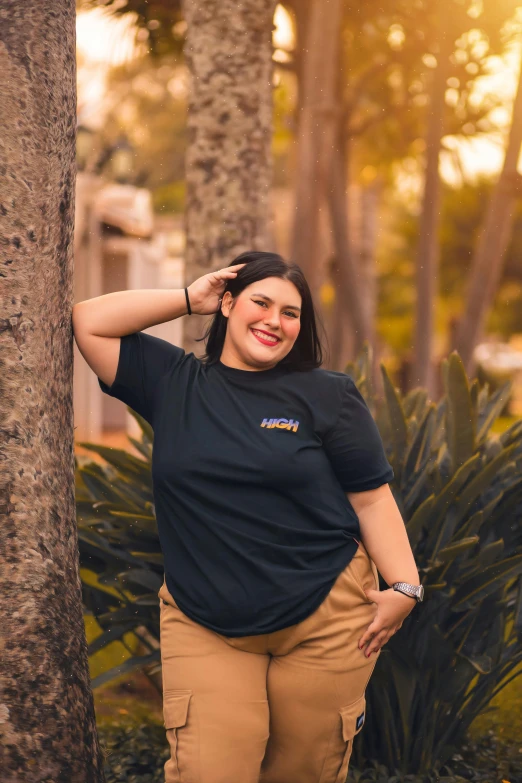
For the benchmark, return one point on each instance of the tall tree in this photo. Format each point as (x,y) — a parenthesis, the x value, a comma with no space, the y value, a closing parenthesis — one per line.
(428,244)
(228,50)
(488,259)
(317,128)
(455,29)
(390,97)
(47,725)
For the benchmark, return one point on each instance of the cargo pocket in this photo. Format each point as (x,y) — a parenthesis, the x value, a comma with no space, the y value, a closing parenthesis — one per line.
(351,721)
(175,716)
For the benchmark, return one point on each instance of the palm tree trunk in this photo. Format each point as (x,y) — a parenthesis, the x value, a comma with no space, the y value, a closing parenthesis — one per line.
(228,52)
(47,723)
(428,245)
(488,260)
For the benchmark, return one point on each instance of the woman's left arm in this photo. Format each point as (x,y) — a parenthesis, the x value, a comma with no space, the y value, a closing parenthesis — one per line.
(385,538)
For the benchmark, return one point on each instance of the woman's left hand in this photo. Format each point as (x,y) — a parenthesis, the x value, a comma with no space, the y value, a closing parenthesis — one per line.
(392,608)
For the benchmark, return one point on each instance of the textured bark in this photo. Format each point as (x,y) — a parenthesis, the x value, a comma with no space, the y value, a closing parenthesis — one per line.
(317,129)
(488,259)
(47,724)
(228,52)
(428,245)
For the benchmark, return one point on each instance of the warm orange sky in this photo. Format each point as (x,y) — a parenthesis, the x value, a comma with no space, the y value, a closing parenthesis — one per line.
(103,41)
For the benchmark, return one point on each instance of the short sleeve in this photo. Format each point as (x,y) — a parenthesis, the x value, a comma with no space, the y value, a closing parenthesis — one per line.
(143,360)
(354,445)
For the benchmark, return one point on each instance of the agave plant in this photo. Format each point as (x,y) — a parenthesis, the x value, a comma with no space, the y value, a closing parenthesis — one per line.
(459,490)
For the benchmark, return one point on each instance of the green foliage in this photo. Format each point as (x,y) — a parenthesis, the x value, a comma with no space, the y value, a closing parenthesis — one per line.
(119,547)
(462,214)
(148,106)
(459,490)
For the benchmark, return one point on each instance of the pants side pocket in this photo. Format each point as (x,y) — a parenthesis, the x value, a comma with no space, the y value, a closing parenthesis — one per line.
(175,714)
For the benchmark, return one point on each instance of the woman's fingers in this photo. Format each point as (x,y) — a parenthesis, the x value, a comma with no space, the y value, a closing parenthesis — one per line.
(223,273)
(375,640)
(220,276)
(228,271)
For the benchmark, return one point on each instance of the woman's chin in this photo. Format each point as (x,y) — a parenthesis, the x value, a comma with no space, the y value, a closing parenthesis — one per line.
(262,357)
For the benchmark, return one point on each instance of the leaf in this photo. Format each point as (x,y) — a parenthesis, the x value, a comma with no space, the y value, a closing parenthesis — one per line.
(414,403)
(143,577)
(483,584)
(419,520)
(512,435)
(122,460)
(101,488)
(113,634)
(450,552)
(397,420)
(97,546)
(492,410)
(489,554)
(439,522)
(417,450)
(481,480)
(460,420)
(422,486)
(136,662)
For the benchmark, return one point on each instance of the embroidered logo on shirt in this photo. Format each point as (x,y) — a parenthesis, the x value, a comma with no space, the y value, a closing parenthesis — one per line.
(359,722)
(282,424)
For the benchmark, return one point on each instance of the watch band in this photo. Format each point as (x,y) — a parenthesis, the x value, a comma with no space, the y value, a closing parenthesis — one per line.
(414,591)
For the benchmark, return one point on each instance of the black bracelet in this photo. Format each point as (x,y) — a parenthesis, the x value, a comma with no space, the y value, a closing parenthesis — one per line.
(188,302)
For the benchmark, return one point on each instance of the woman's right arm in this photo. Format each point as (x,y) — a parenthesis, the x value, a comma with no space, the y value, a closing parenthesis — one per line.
(99,323)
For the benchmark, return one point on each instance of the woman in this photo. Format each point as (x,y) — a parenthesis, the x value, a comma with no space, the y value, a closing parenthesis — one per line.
(274,511)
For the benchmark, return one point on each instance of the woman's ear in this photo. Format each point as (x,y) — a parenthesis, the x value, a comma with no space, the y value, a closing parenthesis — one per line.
(226,303)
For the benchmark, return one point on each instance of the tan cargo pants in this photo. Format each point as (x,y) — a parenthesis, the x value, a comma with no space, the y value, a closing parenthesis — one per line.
(282,707)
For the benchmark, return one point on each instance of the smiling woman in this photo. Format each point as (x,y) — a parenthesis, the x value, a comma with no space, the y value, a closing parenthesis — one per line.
(255,449)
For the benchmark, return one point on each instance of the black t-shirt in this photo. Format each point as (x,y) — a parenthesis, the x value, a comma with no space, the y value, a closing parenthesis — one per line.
(249,472)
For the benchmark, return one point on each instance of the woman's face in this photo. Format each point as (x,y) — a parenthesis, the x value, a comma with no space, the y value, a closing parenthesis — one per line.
(263,324)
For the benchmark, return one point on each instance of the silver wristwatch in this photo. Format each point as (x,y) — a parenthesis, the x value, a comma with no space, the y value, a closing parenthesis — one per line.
(414,591)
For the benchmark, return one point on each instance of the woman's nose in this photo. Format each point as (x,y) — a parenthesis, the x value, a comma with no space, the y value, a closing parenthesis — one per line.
(272,319)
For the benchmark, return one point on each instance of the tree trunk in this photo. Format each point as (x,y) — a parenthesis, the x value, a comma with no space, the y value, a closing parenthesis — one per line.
(348,305)
(370,203)
(228,52)
(316,133)
(370,199)
(428,245)
(47,722)
(488,259)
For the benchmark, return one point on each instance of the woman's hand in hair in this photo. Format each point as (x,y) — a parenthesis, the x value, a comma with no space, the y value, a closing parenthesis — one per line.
(205,292)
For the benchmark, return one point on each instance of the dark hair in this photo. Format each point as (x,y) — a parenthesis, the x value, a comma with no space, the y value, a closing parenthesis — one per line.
(307,351)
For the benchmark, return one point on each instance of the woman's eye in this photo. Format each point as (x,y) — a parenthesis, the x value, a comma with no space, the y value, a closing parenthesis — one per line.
(287,312)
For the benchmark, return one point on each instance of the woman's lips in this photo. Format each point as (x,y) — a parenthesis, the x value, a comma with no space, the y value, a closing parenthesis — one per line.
(258,337)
